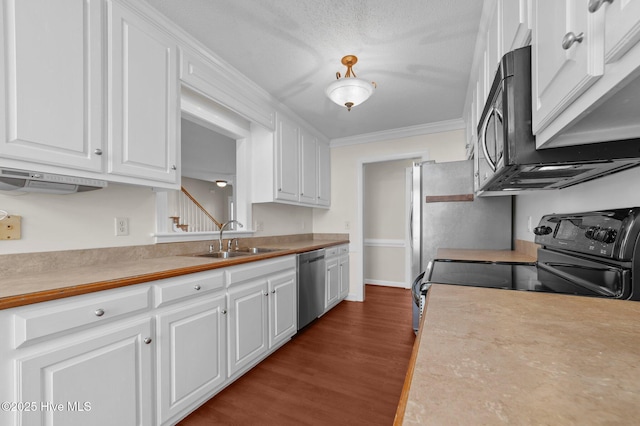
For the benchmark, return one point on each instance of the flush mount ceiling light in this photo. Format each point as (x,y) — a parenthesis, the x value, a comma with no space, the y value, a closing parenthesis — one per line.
(350,90)
(221,183)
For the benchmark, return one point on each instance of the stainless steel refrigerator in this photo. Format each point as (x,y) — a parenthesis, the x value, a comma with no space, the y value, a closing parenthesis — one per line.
(440,220)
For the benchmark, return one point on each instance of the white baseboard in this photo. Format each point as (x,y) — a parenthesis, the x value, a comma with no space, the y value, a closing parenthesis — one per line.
(387,283)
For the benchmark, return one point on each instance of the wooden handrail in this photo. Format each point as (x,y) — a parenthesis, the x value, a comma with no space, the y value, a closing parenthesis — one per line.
(202,209)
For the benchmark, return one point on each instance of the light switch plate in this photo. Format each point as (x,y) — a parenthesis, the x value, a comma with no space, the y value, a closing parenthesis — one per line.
(10,228)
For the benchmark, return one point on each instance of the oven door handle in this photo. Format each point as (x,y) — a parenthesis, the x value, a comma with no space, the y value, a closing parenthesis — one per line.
(552,268)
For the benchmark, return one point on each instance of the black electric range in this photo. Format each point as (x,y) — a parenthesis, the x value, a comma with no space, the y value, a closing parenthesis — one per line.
(593,254)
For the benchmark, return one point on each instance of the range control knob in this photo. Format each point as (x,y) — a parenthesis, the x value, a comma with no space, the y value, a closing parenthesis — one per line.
(542,230)
(591,232)
(607,236)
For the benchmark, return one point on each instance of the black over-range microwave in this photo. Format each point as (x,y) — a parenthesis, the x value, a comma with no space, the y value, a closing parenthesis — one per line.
(506,153)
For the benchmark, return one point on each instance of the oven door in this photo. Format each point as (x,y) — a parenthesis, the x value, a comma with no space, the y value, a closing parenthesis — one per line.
(566,273)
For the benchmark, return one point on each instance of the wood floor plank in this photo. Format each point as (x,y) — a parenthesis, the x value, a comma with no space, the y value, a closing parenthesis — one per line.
(346,368)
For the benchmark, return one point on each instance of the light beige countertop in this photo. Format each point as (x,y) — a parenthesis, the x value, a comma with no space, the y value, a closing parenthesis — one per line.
(490,356)
(25,288)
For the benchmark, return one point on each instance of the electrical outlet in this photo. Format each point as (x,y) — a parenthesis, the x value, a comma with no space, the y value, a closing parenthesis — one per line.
(122,226)
(259,225)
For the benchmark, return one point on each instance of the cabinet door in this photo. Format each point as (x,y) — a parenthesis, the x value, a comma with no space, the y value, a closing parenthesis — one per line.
(283,304)
(192,341)
(247,325)
(344,276)
(143,103)
(560,75)
(324,174)
(308,168)
(51,82)
(105,380)
(287,160)
(515,24)
(622,28)
(332,282)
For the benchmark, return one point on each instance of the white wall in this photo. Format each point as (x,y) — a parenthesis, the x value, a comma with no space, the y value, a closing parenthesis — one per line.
(80,221)
(346,171)
(281,219)
(619,190)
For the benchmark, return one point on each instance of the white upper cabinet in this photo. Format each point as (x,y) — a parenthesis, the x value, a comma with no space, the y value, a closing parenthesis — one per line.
(515,24)
(589,92)
(287,160)
(292,166)
(622,26)
(567,56)
(308,167)
(324,174)
(143,98)
(51,83)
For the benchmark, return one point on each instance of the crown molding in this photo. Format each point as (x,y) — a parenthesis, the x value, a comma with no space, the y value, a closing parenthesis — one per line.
(404,132)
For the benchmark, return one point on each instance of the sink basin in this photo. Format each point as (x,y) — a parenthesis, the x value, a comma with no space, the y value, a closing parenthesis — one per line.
(223,254)
(256,250)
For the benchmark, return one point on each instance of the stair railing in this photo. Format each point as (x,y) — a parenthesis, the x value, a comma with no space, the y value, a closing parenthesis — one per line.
(192,216)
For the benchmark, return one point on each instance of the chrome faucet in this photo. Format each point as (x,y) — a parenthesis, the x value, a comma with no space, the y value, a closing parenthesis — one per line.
(222,228)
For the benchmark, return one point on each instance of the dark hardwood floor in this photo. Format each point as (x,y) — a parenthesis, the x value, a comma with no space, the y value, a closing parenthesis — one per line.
(347,368)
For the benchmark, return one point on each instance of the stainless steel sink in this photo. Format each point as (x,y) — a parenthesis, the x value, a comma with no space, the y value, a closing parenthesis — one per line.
(256,250)
(223,254)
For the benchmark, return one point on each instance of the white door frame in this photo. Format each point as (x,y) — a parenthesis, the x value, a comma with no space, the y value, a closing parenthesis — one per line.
(358,240)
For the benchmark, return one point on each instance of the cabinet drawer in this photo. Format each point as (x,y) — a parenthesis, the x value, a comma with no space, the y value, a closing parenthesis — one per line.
(247,271)
(343,249)
(331,251)
(39,321)
(192,285)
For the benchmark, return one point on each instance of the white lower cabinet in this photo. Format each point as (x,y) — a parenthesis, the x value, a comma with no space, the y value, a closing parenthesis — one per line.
(337,275)
(146,354)
(105,379)
(332,283)
(247,324)
(191,354)
(262,306)
(283,304)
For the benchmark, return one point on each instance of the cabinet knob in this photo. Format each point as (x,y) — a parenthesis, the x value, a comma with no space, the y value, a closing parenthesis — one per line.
(266,293)
(174,167)
(570,38)
(273,291)
(595,5)
(147,340)
(197,287)
(98,151)
(99,312)
(224,312)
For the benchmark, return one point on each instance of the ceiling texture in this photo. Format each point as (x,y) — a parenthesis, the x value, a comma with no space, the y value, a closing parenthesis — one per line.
(419,53)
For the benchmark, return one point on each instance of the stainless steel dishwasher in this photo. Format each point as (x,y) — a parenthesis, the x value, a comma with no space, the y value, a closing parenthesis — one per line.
(311,275)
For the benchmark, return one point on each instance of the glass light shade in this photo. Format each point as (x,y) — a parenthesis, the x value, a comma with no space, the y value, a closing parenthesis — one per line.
(349,90)
(221,183)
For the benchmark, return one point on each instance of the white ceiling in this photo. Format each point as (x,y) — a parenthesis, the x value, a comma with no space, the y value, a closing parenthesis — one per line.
(419,52)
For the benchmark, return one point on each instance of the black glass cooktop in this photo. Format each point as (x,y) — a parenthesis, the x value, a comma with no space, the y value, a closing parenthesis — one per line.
(504,275)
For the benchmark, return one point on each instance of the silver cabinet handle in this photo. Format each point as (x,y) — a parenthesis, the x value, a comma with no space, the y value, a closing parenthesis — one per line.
(273,291)
(147,340)
(224,312)
(98,151)
(570,38)
(174,167)
(595,5)
(197,287)
(99,312)
(265,293)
